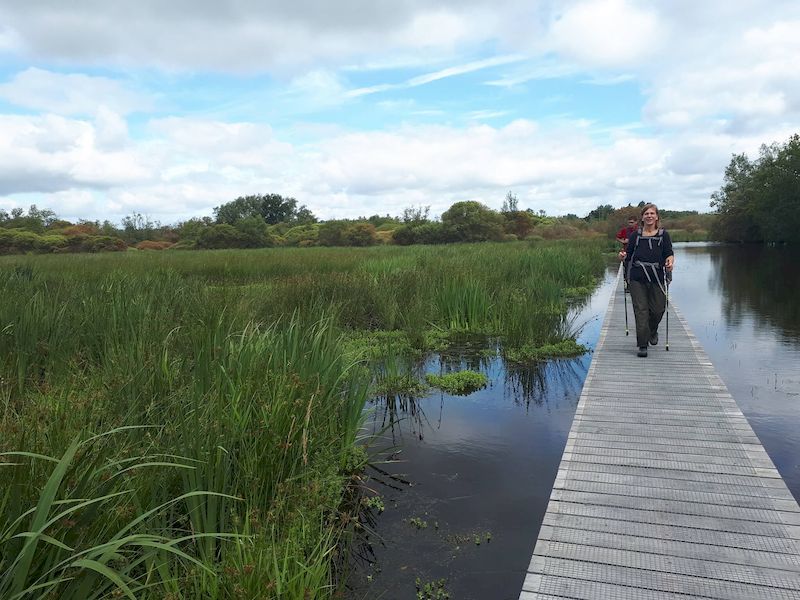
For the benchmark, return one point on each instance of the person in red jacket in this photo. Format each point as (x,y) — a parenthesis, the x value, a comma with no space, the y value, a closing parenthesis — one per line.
(624,234)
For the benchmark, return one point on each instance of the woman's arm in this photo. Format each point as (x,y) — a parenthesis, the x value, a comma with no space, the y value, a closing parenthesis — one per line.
(669,254)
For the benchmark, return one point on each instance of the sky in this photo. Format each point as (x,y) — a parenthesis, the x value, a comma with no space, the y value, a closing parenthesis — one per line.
(362,107)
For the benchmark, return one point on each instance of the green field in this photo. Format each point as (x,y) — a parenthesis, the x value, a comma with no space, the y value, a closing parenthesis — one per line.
(187,425)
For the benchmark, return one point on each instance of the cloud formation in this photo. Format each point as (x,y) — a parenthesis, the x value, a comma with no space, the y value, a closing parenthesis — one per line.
(362,107)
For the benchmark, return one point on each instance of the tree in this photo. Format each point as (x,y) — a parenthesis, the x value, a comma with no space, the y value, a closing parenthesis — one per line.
(254,234)
(36,220)
(473,222)
(416,215)
(601,213)
(758,199)
(511,203)
(136,228)
(519,223)
(273,208)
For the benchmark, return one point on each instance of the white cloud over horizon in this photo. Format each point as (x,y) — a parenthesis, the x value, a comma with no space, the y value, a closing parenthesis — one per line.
(361,108)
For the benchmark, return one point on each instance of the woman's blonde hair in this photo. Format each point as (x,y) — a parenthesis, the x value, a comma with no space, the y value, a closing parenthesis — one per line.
(645,208)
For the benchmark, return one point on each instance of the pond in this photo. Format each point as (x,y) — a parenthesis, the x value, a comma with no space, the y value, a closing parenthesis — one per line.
(467,478)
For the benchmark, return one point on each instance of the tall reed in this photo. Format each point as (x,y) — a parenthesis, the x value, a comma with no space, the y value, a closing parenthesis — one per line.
(235,404)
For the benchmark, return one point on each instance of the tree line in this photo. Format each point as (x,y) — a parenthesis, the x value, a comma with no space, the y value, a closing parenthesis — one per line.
(760,198)
(268,220)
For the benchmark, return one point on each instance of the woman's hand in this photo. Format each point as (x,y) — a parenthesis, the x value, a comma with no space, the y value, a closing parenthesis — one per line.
(622,254)
(669,262)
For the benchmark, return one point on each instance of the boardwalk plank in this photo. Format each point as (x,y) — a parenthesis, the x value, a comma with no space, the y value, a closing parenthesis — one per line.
(664,490)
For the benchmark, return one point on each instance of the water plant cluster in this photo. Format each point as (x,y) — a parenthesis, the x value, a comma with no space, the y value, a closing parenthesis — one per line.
(187,426)
(458,382)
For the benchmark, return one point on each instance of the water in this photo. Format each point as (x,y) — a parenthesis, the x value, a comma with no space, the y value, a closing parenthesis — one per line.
(479,470)
(743,304)
(476,468)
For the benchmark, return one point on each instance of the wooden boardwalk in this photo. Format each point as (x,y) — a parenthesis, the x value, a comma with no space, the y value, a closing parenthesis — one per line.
(663,490)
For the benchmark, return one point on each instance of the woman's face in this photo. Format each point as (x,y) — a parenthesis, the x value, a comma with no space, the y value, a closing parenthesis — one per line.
(650,216)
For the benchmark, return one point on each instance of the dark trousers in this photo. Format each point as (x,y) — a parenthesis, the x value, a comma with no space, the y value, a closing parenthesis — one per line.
(649,304)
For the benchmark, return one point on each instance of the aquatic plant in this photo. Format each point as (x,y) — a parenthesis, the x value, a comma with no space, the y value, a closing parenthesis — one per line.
(229,375)
(563,349)
(432,590)
(459,382)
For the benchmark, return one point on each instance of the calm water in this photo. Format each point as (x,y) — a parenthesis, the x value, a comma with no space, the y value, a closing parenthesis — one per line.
(463,470)
(743,303)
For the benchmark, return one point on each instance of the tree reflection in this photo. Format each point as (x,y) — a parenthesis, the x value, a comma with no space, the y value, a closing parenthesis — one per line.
(761,280)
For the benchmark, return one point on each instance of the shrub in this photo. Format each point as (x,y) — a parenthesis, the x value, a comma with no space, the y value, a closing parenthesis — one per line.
(153,245)
(301,233)
(404,235)
(359,234)
(220,236)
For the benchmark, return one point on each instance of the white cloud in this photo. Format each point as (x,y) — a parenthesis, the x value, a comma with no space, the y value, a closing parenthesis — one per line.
(748,83)
(249,35)
(715,78)
(70,94)
(607,33)
(10,40)
(186,167)
(52,153)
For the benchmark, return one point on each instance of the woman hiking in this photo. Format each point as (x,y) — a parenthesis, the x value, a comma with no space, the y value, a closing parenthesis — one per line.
(648,259)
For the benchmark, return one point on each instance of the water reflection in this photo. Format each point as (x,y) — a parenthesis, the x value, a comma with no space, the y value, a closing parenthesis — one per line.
(465,466)
(742,303)
(462,469)
(759,280)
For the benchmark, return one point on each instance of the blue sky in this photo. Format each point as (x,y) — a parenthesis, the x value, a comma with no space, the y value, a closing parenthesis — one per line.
(359,107)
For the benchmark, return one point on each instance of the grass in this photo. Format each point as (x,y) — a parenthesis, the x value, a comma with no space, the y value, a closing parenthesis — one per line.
(459,382)
(564,349)
(187,425)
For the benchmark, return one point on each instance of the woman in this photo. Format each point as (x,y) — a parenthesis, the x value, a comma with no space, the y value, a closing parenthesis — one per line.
(647,259)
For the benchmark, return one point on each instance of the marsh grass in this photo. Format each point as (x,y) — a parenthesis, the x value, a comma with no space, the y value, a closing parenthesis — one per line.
(236,393)
(458,382)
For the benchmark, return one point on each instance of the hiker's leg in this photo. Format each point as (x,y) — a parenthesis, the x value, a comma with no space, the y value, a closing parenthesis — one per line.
(657,302)
(641,311)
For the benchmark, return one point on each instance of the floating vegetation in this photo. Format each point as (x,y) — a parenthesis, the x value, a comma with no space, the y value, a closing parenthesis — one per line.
(432,590)
(374,502)
(459,539)
(459,383)
(562,349)
(400,385)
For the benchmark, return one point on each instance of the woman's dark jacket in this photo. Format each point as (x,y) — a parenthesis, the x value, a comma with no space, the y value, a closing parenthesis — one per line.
(646,256)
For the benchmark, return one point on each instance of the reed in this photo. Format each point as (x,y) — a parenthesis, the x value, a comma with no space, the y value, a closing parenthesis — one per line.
(234,383)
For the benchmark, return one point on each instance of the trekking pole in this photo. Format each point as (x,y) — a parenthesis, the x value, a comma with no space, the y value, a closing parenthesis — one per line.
(624,294)
(667,278)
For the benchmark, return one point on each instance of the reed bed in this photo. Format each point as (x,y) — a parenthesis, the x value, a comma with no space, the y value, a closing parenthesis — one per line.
(186,425)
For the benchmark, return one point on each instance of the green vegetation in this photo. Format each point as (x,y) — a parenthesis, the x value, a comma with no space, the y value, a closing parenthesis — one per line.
(459,382)
(185,428)
(527,353)
(432,590)
(231,449)
(271,220)
(758,200)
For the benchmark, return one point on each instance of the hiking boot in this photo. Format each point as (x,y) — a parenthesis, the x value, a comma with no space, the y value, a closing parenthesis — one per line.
(642,353)
(654,338)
